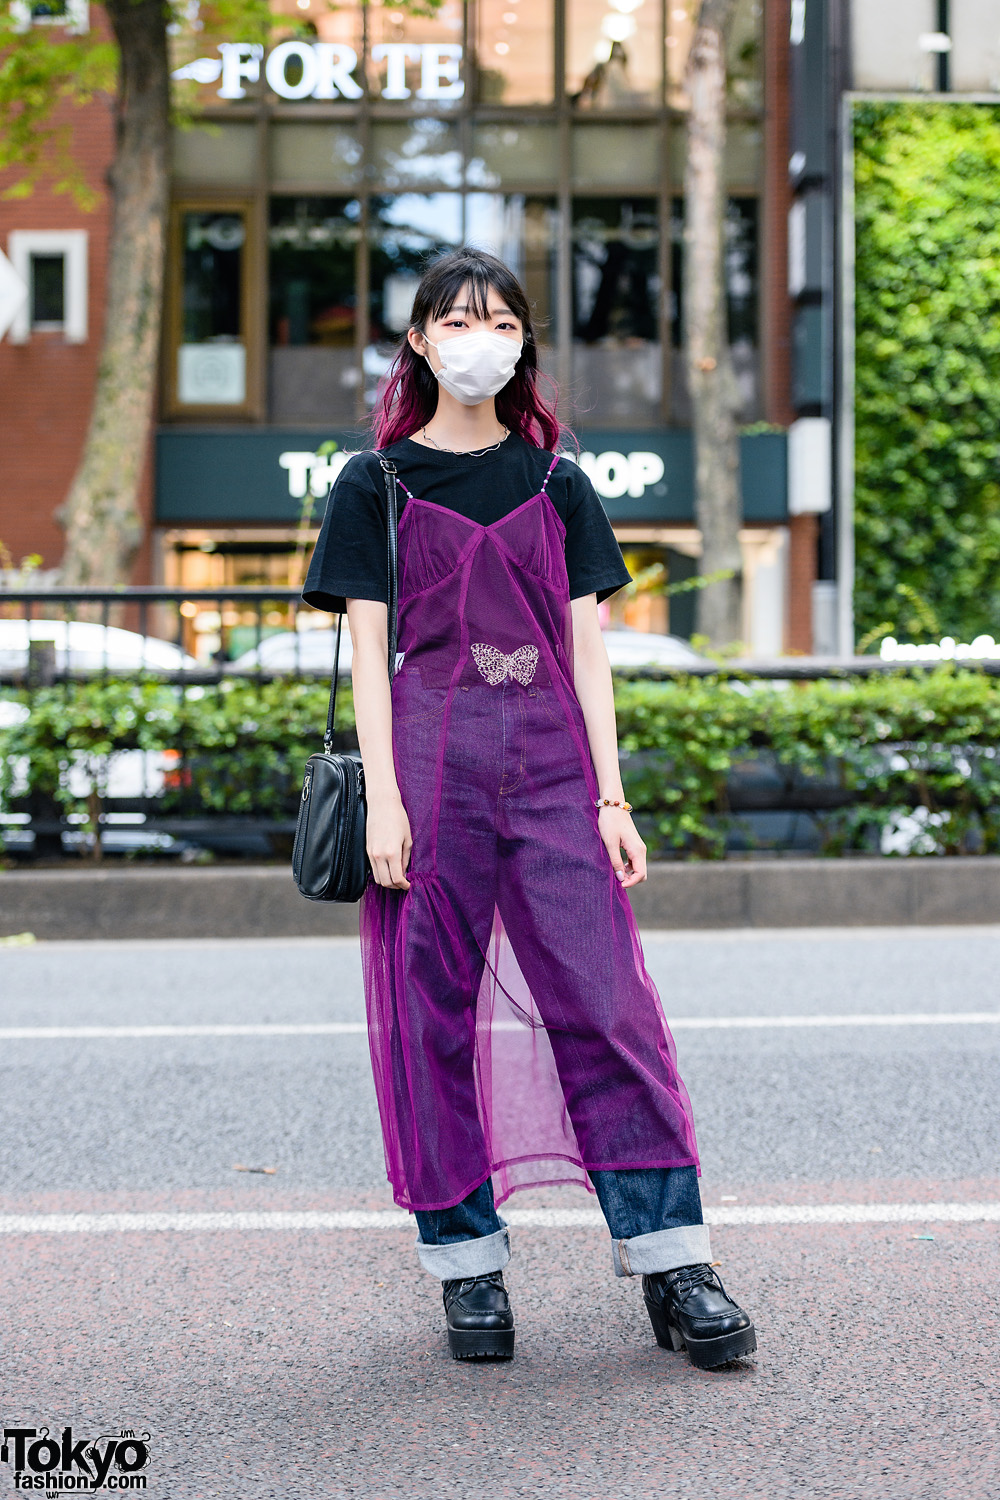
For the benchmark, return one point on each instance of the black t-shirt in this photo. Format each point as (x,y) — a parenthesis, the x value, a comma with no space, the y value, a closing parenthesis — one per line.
(349,560)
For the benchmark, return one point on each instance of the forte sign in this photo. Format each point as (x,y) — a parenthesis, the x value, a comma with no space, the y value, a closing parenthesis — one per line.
(326,70)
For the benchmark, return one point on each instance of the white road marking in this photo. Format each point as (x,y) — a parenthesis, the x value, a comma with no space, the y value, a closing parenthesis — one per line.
(890,1018)
(548,1218)
(88,1033)
(944,931)
(359,1028)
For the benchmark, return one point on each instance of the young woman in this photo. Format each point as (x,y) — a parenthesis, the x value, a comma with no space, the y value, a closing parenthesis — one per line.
(516,1036)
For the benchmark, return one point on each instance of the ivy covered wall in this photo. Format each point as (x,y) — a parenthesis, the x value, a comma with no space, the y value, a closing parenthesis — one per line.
(928,369)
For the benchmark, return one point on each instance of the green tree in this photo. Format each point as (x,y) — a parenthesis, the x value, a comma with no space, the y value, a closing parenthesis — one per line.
(928,368)
(711,378)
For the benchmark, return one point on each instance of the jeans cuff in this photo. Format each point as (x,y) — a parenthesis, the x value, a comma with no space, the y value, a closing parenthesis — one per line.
(465,1258)
(663,1250)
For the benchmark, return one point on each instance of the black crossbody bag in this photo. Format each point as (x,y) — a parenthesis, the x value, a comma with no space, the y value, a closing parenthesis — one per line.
(329,858)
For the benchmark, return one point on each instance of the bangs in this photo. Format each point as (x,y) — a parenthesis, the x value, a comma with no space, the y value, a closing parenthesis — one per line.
(442,283)
(479,284)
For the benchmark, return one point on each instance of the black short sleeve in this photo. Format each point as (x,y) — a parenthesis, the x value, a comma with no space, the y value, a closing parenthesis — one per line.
(349,560)
(594,560)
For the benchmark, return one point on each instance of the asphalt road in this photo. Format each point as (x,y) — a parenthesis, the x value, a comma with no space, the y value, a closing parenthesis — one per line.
(311,1361)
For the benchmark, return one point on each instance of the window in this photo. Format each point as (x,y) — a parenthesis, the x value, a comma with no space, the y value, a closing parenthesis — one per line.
(338,24)
(417,152)
(515,52)
(744,60)
(48,291)
(600,150)
(74,15)
(226,153)
(313,310)
(680,30)
(419,58)
(741,269)
(321,157)
(523,232)
(207,313)
(617,358)
(744,156)
(613,53)
(513,153)
(406,231)
(52,263)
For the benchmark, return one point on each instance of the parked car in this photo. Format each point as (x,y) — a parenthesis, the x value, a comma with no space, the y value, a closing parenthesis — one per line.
(12,713)
(84,645)
(297,651)
(642,648)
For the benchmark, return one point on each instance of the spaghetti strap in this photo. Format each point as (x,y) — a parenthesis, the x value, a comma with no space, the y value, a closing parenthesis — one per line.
(411,496)
(549,474)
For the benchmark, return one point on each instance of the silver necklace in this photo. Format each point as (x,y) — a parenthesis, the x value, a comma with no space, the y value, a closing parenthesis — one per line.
(466,452)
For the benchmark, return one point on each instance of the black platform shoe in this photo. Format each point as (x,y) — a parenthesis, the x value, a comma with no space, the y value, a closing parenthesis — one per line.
(480,1322)
(689,1308)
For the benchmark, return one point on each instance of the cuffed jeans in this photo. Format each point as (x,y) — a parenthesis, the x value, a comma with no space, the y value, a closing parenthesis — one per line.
(653,1213)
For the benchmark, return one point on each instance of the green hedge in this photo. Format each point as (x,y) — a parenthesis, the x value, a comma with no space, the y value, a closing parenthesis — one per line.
(927,398)
(891,743)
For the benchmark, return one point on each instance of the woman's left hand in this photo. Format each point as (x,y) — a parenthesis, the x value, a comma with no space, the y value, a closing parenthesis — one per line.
(619,832)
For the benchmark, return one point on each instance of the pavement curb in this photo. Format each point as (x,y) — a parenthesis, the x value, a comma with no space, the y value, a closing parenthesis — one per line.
(261,900)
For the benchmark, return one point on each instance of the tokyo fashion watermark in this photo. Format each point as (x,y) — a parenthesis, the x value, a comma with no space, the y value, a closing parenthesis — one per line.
(42,1462)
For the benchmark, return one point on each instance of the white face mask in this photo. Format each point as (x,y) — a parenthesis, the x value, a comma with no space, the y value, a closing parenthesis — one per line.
(474,366)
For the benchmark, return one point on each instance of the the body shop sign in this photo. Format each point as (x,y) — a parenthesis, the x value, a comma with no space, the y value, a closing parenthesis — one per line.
(273,475)
(612,474)
(326,70)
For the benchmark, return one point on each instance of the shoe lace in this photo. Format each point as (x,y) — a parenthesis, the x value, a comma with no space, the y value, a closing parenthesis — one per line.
(459,1288)
(691,1277)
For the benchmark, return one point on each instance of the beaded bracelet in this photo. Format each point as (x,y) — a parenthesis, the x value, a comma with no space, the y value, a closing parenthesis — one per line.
(613,802)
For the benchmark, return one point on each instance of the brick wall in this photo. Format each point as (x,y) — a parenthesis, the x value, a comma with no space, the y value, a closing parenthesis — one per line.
(46,385)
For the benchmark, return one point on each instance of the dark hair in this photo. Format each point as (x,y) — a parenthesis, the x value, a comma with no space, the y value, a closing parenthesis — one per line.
(408,395)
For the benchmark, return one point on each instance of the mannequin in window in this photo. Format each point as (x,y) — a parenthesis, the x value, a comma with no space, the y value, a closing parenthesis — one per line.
(607,85)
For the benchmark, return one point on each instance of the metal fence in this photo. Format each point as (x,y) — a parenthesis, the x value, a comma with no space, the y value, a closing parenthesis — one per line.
(197,638)
(192,635)
(220,633)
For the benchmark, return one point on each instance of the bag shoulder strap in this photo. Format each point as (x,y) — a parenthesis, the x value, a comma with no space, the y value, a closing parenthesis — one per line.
(392,524)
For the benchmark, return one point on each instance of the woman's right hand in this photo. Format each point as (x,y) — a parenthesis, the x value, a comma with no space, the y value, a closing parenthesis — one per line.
(388,840)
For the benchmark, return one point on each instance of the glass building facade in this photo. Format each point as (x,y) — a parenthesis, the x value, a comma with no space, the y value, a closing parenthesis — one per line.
(320,172)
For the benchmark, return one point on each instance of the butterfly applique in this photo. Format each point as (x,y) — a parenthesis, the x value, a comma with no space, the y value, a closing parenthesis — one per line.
(495,666)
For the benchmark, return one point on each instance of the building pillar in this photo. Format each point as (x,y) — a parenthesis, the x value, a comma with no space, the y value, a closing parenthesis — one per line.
(803,540)
(776,308)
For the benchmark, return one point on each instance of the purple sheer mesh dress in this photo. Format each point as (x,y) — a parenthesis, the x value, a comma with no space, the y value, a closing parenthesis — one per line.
(514,1028)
